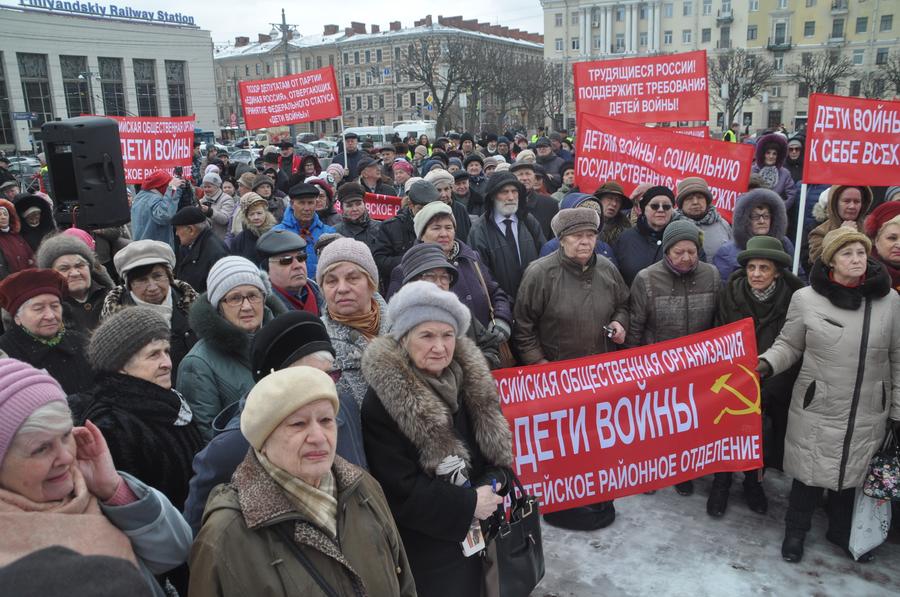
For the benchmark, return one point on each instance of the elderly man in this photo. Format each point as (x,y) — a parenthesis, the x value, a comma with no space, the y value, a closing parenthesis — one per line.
(371,177)
(465,194)
(288,161)
(542,207)
(546,158)
(350,156)
(387,153)
(356,223)
(283,254)
(694,202)
(302,219)
(443,184)
(200,248)
(154,206)
(9,189)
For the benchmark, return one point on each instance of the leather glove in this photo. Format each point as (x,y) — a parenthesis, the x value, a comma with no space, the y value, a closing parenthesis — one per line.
(763,368)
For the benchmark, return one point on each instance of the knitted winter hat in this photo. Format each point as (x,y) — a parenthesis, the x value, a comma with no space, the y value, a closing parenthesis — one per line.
(692,184)
(422,192)
(213,179)
(246,179)
(349,250)
(54,247)
(679,230)
(838,238)
(576,219)
(260,181)
(423,257)
(401,164)
(82,235)
(227,274)
(892,194)
(156,181)
(438,176)
(278,395)
(418,302)
(656,192)
(428,213)
(286,339)
(23,390)
(123,335)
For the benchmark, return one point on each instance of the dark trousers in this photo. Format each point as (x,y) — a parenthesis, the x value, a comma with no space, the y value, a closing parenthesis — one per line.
(803,501)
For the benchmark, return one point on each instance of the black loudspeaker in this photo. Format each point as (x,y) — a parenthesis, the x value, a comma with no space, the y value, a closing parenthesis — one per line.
(87,178)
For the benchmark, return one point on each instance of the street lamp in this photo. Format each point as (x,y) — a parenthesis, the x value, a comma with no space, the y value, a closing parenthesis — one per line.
(87,76)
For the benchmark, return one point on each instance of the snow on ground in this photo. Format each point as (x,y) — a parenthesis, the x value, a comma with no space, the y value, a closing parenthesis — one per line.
(665,544)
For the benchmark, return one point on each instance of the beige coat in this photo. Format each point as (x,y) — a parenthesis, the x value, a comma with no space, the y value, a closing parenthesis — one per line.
(847,387)
(834,221)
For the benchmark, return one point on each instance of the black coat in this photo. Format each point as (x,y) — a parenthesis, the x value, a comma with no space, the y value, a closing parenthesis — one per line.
(394,238)
(86,315)
(34,236)
(365,232)
(463,221)
(244,245)
(193,263)
(543,208)
(66,361)
(147,428)
(490,243)
(637,248)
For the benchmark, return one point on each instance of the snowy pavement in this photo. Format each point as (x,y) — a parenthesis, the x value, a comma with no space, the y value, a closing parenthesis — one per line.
(665,544)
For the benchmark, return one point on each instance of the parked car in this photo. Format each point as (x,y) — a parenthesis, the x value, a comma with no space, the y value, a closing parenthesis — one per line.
(323,148)
(244,156)
(307,137)
(24,159)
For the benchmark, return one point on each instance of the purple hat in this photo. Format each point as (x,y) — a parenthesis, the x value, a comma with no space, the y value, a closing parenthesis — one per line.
(23,390)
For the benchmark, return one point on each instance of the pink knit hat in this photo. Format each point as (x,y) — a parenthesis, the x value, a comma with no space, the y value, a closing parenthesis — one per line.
(23,390)
(81,235)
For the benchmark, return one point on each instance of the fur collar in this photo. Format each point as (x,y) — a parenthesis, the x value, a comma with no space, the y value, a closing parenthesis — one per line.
(876,285)
(118,298)
(424,418)
(743,207)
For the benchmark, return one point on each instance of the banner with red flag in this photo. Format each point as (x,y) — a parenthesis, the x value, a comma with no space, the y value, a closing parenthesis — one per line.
(304,97)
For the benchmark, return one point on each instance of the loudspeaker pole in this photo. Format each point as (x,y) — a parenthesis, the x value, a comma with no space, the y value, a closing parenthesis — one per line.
(287,61)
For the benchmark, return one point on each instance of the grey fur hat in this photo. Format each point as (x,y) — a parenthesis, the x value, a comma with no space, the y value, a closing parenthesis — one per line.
(54,247)
(418,302)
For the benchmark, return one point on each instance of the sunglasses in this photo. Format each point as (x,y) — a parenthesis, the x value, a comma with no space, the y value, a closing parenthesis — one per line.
(660,206)
(286,260)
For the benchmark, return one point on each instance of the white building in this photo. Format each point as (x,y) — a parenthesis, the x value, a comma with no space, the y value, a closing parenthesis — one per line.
(58,64)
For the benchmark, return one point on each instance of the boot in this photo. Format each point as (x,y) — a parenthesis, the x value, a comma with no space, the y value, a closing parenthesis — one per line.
(686,488)
(754,494)
(792,547)
(844,545)
(583,518)
(718,496)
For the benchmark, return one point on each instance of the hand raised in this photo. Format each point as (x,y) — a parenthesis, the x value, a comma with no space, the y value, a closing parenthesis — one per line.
(95,462)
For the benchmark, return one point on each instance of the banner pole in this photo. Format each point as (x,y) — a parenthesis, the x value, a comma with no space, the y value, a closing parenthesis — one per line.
(801,215)
(344,141)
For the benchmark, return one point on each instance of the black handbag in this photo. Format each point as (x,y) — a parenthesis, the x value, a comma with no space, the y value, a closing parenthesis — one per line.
(514,556)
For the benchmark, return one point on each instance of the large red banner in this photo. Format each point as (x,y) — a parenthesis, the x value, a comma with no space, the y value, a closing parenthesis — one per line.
(609,426)
(150,144)
(632,154)
(852,141)
(311,95)
(648,89)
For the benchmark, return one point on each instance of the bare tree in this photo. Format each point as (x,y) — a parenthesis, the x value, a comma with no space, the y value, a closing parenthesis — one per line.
(735,77)
(891,71)
(531,84)
(557,79)
(821,72)
(479,73)
(439,65)
(871,84)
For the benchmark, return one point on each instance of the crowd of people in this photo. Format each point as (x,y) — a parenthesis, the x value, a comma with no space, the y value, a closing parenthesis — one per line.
(256,387)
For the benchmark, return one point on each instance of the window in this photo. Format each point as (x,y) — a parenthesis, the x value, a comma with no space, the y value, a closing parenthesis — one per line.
(706,35)
(707,7)
(381,101)
(318,62)
(368,54)
(346,58)
(802,90)
(686,36)
(358,103)
(805,58)
(576,43)
(399,100)
(269,67)
(308,63)
(559,44)
(751,32)
(687,9)
(347,105)
(858,56)
(331,61)
(557,19)
(6,130)
(396,54)
(782,4)
(667,10)
(809,28)
(881,56)
(575,18)
(368,102)
(778,61)
(177,88)
(356,57)
(620,42)
(598,43)
(774,118)
(76,82)
(357,79)
(246,70)
(837,28)
(642,12)
(112,87)
(346,80)
(369,78)
(667,37)
(748,118)
(412,99)
(878,87)
(855,87)
(781,33)
(620,13)
(810,3)
(145,87)
(775,91)
(754,5)
(887,23)
(862,23)
(257,68)
(378,55)
(642,38)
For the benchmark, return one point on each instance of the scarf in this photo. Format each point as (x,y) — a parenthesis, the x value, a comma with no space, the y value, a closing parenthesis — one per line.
(764,295)
(677,270)
(75,522)
(709,218)
(769,174)
(454,252)
(362,221)
(318,504)
(446,385)
(164,308)
(893,272)
(51,342)
(297,302)
(366,324)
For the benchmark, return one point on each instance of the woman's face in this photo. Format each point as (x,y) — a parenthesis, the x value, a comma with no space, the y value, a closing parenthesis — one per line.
(849,262)
(770,157)
(760,220)
(888,244)
(309,168)
(849,204)
(209,189)
(440,231)
(321,200)
(264,191)
(579,246)
(658,212)
(41,315)
(33,219)
(153,287)
(445,192)
(38,466)
(347,290)
(257,215)
(303,445)
(4,217)
(439,276)
(761,273)
(77,273)
(684,254)
(243,307)
(152,363)
(228,188)
(430,346)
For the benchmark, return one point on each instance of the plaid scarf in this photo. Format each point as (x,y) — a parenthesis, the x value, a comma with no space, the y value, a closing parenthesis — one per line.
(764,295)
(319,505)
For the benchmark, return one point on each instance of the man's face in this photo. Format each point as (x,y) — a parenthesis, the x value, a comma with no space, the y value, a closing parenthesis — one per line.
(351,145)
(370,174)
(354,209)
(287,152)
(492,146)
(474,168)
(387,157)
(186,234)
(568,177)
(503,148)
(10,192)
(467,146)
(288,270)
(555,145)
(461,187)
(544,151)
(506,201)
(526,177)
(304,208)
(611,205)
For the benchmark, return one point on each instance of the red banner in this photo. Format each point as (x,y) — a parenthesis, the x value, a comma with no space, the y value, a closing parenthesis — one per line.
(648,89)
(632,154)
(382,207)
(609,426)
(691,131)
(852,141)
(150,144)
(311,95)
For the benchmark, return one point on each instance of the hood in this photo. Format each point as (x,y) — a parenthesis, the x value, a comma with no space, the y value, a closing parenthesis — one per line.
(311,158)
(776,140)
(14,224)
(209,325)
(835,191)
(745,204)
(495,183)
(24,202)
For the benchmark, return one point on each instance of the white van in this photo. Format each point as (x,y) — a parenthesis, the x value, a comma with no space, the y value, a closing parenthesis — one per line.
(373,134)
(417,127)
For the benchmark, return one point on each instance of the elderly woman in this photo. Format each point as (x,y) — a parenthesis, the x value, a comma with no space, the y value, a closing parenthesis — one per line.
(577,199)
(146,266)
(641,246)
(355,312)
(883,228)
(35,218)
(846,327)
(762,289)
(845,207)
(59,485)
(254,219)
(15,253)
(216,205)
(771,153)
(36,333)
(293,501)
(216,372)
(443,183)
(87,281)
(434,434)
(674,297)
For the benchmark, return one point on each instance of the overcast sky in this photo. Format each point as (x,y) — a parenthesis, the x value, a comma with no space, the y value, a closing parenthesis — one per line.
(227,19)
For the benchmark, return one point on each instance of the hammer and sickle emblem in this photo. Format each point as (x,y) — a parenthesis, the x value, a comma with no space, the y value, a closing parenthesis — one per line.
(752,407)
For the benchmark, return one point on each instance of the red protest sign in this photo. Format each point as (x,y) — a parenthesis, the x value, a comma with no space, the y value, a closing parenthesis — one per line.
(646,89)
(150,144)
(701,132)
(852,141)
(632,154)
(307,96)
(382,207)
(608,426)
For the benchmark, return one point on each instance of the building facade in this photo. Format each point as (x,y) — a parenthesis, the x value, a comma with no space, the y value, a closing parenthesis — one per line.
(787,32)
(56,65)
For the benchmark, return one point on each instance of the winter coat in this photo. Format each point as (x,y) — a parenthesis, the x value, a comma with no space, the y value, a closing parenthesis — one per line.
(613,228)
(47,225)
(240,540)
(244,243)
(552,164)
(474,202)
(834,220)
(784,185)
(194,262)
(16,253)
(297,302)
(86,315)
(216,371)
(637,248)
(365,231)
(561,308)
(221,210)
(383,186)
(463,221)
(408,430)
(148,430)
(849,382)
(151,215)
(316,229)
(394,238)
(349,346)
(665,305)
(352,162)
(561,192)
(716,231)
(66,362)
(543,208)
(183,337)
(600,248)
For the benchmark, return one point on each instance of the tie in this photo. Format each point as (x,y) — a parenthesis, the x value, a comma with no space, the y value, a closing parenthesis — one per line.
(510,238)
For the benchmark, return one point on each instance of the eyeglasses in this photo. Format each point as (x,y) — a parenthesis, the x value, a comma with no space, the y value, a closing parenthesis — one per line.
(335,375)
(237,300)
(660,206)
(436,278)
(760,218)
(158,278)
(286,260)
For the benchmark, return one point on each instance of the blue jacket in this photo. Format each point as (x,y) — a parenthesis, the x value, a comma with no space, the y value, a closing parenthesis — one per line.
(316,230)
(151,215)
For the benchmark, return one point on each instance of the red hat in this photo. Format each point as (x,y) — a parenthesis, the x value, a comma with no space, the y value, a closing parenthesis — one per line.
(322,184)
(157,181)
(880,216)
(29,283)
